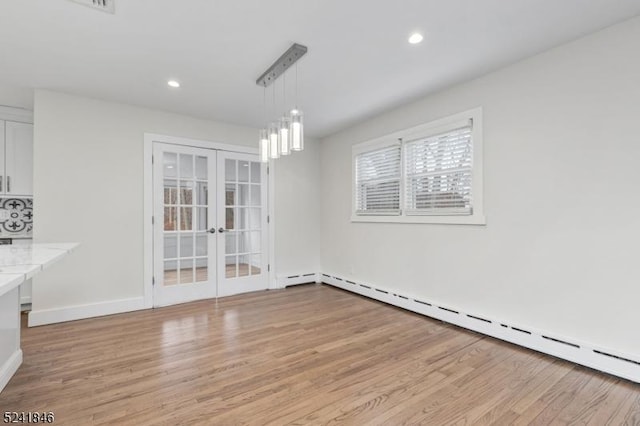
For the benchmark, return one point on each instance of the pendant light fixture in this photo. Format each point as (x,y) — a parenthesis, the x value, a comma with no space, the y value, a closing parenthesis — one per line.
(285,122)
(274,149)
(274,128)
(285,145)
(297,128)
(264,146)
(287,134)
(264,134)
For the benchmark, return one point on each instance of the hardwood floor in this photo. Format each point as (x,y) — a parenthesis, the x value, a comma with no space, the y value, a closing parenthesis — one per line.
(305,355)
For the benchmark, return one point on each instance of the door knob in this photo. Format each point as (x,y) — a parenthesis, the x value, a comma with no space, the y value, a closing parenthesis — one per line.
(212,230)
(221,230)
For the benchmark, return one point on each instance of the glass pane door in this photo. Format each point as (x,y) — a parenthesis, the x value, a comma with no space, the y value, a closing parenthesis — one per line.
(242,208)
(184,245)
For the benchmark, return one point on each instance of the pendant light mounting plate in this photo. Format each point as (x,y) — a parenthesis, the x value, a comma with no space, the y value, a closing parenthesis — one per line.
(288,58)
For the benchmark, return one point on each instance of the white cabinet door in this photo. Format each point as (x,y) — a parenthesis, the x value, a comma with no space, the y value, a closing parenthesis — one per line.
(18,159)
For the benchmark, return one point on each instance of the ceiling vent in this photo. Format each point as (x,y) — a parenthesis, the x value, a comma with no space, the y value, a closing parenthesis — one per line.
(103,5)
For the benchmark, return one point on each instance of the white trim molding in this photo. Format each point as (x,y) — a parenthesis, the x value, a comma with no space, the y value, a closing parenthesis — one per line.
(20,115)
(602,359)
(9,368)
(175,140)
(90,310)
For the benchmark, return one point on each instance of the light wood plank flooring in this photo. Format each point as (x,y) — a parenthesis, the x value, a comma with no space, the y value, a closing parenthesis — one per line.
(305,355)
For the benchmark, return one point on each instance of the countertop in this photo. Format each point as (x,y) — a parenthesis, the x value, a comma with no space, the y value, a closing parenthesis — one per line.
(21,262)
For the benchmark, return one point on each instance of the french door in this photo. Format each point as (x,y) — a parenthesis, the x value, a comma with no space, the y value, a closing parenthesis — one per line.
(209,223)
(242,194)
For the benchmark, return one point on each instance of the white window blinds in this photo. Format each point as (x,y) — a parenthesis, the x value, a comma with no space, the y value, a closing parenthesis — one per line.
(377,183)
(438,173)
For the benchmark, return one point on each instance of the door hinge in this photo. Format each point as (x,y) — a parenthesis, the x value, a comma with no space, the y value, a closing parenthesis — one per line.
(269,268)
(153,280)
(268,219)
(153,220)
(152,159)
(267,170)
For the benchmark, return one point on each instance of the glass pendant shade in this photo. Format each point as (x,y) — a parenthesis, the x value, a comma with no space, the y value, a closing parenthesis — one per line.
(285,140)
(264,145)
(297,130)
(274,151)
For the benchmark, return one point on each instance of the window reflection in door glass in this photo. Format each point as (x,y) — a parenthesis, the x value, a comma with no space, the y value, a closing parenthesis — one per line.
(186,245)
(170,272)
(186,271)
(186,192)
(201,168)
(255,264)
(230,266)
(202,273)
(243,171)
(255,172)
(230,170)
(243,265)
(170,218)
(170,246)
(186,218)
(202,219)
(170,164)
(186,166)
(170,191)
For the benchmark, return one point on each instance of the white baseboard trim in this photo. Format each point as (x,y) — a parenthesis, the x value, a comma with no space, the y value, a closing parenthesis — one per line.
(25,300)
(602,359)
(295,279)
(91,310)
(9,368)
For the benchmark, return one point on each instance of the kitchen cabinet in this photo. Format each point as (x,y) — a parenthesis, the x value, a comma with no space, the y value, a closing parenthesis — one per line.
(16,159)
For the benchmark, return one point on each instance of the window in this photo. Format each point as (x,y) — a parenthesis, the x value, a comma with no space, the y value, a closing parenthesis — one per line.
(439,173)
(378,181)
(429,174)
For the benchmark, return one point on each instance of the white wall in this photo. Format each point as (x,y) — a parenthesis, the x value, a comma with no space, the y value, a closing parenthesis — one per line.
(297,211)
(89,188)
(561,150)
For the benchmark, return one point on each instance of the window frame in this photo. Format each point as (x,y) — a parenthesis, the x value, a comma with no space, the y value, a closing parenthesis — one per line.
(418,132)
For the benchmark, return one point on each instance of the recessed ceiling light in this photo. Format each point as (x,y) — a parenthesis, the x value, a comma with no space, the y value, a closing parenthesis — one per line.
(415,38)
(173,83)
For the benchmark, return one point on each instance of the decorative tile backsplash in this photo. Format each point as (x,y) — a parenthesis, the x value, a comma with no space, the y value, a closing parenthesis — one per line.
(16,217)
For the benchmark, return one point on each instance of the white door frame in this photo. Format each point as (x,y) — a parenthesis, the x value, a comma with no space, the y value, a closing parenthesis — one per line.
(149,139)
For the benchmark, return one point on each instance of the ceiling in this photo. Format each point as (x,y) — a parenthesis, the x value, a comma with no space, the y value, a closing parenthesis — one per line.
(359,62)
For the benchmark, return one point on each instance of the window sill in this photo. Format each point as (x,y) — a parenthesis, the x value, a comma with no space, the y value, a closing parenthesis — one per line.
(476,219)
